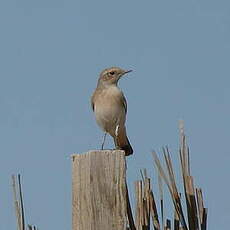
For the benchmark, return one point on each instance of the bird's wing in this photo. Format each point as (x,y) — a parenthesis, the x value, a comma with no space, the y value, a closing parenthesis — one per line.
(92,101)
(124,102)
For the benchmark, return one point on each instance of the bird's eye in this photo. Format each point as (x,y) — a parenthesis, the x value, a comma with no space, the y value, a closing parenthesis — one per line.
(112,72)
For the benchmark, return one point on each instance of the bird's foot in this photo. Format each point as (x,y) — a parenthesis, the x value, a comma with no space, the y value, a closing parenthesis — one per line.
(103,141)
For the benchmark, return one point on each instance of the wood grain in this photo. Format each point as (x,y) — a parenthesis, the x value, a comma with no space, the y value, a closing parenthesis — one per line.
(99,190)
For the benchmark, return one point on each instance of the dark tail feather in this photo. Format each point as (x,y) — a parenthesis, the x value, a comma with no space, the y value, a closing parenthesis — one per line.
(127,148)
(122,142)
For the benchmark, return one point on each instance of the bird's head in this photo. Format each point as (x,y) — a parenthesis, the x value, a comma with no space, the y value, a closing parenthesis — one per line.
(111,76)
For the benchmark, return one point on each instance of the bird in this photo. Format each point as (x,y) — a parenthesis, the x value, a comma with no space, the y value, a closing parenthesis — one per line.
(110,108)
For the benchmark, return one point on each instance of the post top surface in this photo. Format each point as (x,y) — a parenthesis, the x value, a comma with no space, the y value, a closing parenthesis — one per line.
(106,151)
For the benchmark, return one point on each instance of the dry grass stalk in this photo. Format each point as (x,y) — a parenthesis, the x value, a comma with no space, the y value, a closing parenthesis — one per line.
(189,189)
(30,227)
(18,203)
(171,184)
(168,225)
(202,211)
(161,198)
(196,213)
(145,205)
(176,221)
(153,212)
(129,213)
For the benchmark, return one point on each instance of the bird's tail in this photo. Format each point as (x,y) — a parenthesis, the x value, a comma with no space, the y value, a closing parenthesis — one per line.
(122,142)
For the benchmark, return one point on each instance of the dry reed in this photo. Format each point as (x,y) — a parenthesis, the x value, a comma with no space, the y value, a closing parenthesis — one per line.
(193,217)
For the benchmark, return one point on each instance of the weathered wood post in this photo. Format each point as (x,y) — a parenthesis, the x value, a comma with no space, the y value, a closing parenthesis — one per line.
(99,200)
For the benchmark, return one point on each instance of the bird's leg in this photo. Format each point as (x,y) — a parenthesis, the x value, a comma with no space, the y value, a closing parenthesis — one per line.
(103,142)
(116,137)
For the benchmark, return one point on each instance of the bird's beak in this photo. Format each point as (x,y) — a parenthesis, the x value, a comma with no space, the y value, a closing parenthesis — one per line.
(125,72)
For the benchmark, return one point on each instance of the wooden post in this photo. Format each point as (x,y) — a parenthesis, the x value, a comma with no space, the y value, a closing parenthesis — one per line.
(99,196)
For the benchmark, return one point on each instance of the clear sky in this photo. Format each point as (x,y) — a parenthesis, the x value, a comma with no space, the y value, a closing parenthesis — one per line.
(51,52)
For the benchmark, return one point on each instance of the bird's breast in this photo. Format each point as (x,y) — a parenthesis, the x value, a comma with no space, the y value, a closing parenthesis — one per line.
(109,109)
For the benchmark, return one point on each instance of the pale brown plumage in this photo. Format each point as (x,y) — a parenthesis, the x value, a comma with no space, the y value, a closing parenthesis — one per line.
(110,107)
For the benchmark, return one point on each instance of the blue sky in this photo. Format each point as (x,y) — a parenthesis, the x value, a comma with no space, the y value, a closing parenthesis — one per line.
(51,53)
